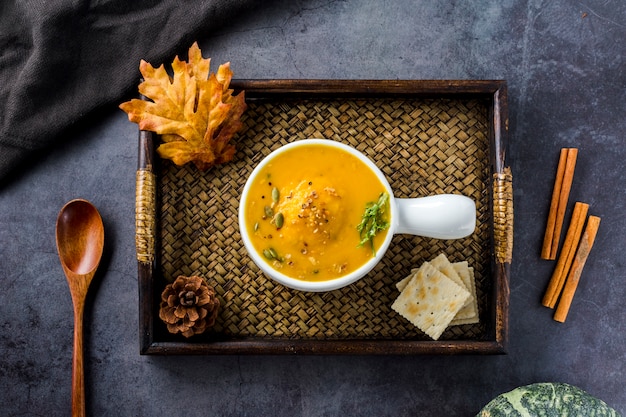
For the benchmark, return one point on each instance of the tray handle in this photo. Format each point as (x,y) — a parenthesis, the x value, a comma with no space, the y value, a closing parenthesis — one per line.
(145,201)
(503,215)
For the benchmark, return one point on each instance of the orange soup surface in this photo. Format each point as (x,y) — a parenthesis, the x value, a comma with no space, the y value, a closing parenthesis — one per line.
(303,210)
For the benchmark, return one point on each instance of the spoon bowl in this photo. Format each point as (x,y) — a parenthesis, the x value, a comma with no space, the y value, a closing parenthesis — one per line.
(80,241)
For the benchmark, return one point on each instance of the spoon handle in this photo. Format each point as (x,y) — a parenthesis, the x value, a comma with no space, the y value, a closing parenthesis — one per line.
(78,371)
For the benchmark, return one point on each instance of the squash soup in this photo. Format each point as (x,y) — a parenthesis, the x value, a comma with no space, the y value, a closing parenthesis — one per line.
(304,209)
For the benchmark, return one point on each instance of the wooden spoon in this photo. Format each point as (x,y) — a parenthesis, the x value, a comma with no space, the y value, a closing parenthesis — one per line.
(80,240)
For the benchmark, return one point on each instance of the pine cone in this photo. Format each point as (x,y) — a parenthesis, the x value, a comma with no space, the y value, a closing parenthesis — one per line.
(189,306)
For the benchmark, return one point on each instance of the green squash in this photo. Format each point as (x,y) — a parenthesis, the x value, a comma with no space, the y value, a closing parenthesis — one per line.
(547,399)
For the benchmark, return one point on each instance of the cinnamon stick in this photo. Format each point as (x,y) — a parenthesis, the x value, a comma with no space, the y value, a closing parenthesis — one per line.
(568,177)
(566,256)
(554,204)
(558,203)
(573,277)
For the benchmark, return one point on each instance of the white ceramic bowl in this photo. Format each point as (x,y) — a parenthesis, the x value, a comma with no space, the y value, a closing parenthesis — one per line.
(444,216)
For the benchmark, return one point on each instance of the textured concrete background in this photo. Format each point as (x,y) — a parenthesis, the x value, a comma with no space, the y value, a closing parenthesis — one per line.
(564,63)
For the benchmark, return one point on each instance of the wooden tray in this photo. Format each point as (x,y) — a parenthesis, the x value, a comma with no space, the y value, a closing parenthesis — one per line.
(427,137)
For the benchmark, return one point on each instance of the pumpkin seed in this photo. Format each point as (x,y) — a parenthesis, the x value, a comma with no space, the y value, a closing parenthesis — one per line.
(275,194)
(279,220)
(269,213)
(268,253)
(273,253)
(256,226)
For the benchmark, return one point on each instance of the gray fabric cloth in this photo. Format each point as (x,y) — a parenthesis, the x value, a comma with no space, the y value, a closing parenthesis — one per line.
(62,60)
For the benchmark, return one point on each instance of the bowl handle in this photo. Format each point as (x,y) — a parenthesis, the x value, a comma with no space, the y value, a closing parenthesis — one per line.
(443,216)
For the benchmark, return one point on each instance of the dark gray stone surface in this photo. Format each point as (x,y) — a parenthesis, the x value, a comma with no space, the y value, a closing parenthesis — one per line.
(564,63)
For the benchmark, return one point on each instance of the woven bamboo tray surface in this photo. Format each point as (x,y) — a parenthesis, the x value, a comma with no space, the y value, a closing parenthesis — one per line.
(423,146)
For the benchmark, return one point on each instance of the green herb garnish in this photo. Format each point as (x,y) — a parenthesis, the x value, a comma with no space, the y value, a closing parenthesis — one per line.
(373,221)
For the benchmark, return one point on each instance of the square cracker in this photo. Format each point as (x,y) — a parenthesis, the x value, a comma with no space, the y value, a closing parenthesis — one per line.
(430,300)
(468,314)
(401,285)
(459,273)
(441,263)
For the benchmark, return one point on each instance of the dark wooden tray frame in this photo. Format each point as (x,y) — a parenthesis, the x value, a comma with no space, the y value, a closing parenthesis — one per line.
(494,91)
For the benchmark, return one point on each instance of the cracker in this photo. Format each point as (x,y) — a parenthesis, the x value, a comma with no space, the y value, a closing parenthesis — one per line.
(400,285)
(442,263)
(468,314)
(430,300)
(455,272)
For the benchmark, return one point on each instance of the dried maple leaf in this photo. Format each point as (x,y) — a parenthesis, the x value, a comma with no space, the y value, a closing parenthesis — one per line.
(194,111)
